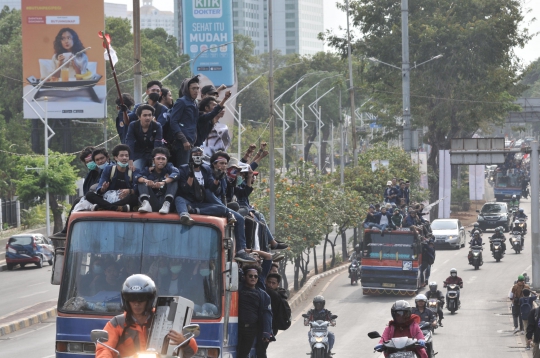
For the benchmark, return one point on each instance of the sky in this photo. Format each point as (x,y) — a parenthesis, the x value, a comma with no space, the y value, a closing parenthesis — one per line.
(333,18)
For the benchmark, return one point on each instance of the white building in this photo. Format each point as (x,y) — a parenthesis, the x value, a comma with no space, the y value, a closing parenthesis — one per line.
(116,10)
(153,18)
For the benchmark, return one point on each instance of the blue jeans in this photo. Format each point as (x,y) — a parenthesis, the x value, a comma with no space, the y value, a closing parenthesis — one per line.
(331,338)
(180,155)
(370,225)
(216,210)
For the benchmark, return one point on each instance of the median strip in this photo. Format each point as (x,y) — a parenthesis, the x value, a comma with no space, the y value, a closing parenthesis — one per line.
(21,319)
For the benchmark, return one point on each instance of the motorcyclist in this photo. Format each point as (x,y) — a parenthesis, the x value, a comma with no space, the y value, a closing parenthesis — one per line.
(476,241)
(454,279)
(434,293)
(514,201)
(521,215)
(128,332)
(421,311)
(476,227)
(319,313)
(518,230)
(354,262)
(498,236)
(404,324)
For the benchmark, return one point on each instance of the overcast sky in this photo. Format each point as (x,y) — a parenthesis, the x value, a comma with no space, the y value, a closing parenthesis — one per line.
(333,18)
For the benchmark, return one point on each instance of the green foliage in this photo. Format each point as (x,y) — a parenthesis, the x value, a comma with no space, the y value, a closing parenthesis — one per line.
(33,216)
(531,78)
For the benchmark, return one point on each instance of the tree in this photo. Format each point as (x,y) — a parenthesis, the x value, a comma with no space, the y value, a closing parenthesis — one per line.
(531,78)
(60,177)
(472,87)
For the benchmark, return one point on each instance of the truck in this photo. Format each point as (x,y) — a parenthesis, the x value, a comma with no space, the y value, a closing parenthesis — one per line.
(506,185)
(391,262)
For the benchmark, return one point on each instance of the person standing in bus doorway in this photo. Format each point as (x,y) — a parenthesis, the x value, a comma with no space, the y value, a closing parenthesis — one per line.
(254,313)
(128,332)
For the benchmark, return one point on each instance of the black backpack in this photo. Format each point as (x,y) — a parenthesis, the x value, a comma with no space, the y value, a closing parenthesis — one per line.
(283,321)
(525,307)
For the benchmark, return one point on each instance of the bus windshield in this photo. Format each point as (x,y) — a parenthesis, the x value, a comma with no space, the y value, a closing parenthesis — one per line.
(512,180)
(182,261)
(390,246)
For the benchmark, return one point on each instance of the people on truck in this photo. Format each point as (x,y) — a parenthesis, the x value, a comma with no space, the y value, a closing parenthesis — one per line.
(439,296)
(397,218)
(128,332)
(403,324)
(157,183)
(421,310)
(319,313)
(209,114)
(385,218)
(390,193)
(142,137)
(116,189)
(428,259)
(372,220)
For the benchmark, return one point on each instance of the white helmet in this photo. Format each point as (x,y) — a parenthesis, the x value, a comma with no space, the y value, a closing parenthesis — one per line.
(420,297)
(514,196)
(516,222)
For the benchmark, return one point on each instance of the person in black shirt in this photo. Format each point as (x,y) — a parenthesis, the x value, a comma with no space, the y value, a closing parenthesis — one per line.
(142,137)
(421,311)
(439,296)
(319,313)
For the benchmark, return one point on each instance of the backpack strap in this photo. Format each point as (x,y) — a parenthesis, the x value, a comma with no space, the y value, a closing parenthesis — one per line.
(113,171)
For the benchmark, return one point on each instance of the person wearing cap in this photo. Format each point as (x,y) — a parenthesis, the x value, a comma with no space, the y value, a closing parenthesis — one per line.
(196,185)
(209,114)
(211,91)
(183,121)
(515,294)
(390,193)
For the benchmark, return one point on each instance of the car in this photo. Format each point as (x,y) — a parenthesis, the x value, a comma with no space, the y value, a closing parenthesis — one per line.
(448,233)
(28,249)
(493,215)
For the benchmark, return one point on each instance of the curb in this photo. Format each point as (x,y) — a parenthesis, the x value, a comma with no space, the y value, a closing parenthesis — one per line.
(3,267)
(301,295)
(27,322)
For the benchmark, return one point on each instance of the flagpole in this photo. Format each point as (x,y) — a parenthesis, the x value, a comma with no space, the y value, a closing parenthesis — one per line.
(106,45)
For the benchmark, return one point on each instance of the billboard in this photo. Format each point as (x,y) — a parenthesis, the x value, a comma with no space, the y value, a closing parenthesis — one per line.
(207,25)
(53,31)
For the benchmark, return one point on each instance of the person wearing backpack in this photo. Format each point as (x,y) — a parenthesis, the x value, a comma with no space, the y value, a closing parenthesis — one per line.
(533,330)
(515,294)
(526,306)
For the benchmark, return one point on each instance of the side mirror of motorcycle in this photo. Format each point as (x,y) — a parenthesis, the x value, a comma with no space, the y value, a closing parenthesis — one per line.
(188,338)
(193,329)
(333,316)
(305,315)
(99,335)
(374,335)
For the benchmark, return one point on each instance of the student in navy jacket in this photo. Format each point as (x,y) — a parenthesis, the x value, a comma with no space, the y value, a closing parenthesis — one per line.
(157,184)
(121,126)
(142,137)
(116,178)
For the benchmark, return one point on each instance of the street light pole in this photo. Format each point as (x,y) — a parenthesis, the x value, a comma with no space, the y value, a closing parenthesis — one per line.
(351,87)
(405,76)
(137,79)
(272,173)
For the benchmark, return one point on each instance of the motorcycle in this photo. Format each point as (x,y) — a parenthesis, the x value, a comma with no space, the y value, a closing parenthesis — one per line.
(401,347)
(355,269)
(100,336)
(433,305)
(497,250)
(515,241)
(427,330)
(476,259)
(523,224)
(320,347)
(452,297)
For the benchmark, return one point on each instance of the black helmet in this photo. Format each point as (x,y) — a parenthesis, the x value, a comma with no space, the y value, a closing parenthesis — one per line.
(433,286)
(319,300)
(138,288)
(401,308)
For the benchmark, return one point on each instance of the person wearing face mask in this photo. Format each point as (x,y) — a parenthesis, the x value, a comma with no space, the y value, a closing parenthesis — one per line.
(157,184)
(193,180)
(142,137)
(116,178)
(153,91)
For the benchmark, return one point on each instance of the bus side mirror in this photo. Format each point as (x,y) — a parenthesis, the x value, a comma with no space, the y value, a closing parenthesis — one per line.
(58,266)
(231,276)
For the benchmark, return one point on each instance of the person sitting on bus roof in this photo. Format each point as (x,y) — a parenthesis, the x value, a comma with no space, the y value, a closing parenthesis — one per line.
(128,332)
(116,184)
(385,218)
(157,183)
(121,127)
(143,136)
(372,221)
(193,180)
(390,193)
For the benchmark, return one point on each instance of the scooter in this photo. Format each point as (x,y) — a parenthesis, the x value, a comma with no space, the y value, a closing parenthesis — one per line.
(355,269)
(100,336)
(515,241)
(496,248)
(320,347)
(401,347)
(427,330)
(452,297)
(433,305)
(476,256)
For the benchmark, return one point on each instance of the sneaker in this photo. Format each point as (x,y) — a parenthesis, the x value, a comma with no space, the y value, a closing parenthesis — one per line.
(527,348)
(126,208)
(94,207)
(165,208)
(522,333)
(145,207)
(280,246)
(516,330)
(185,219)
(278,258)
(231,219)
(243,257)
(191,210)
(440,323)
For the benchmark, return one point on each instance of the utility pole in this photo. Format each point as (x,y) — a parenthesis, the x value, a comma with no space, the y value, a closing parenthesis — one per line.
(46,140)
(137,79)
(535,215)
(405,75)
(351,87)
(341,144)
(271,179)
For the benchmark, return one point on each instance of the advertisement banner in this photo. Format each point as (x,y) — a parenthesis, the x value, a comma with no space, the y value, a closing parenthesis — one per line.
(476,182)
(53,32)
(207,26)
(445,184)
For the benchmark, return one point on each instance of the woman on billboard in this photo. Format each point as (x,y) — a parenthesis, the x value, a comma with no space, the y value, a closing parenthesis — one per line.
(67,44)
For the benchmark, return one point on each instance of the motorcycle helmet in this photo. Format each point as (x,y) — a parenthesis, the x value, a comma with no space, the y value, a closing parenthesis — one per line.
(476,225)
(521,210)
(453,272)
(420,297)
(433,286)
(476,232)
(138,288)
(514,196)
(401,311)
(516,222)
(521,278)
(318,302)
(196,156)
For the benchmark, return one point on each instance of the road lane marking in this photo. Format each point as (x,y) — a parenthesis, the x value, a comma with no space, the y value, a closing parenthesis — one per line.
(51,356)
(445,262)
(471,280)
(39,283)
(33,294)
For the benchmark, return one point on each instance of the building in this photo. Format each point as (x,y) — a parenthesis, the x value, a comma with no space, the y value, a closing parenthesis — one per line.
(116,10)
(153,18)
(250,18)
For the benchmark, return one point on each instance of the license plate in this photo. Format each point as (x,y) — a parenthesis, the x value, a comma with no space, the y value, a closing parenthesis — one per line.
(492,221)
(388,285)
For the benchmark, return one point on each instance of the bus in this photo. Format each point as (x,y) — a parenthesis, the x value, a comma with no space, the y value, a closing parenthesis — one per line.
(103,248)
(506,185)
(391,262)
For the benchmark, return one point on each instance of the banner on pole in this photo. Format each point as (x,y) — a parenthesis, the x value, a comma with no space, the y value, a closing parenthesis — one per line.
(53,31)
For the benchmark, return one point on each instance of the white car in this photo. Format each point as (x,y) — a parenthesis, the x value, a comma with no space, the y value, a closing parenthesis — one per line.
(448,233)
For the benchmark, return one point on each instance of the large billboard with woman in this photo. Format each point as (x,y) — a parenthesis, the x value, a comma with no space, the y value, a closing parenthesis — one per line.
(55,32)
